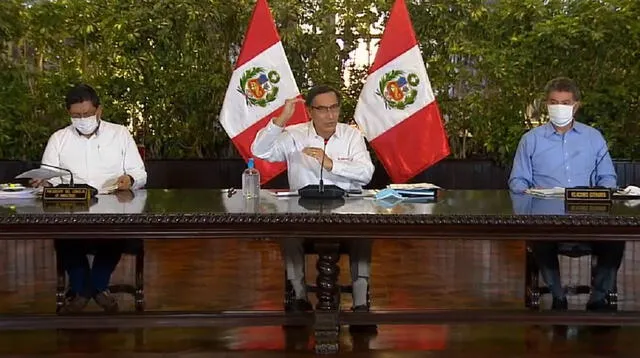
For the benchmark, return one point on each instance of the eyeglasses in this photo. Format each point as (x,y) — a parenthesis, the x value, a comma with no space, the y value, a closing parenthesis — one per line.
(327,109)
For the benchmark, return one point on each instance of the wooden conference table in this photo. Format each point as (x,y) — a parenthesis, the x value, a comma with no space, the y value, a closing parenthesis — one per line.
(214,214)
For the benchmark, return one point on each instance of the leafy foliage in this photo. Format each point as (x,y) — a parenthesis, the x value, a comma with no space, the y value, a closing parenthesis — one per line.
(162,66)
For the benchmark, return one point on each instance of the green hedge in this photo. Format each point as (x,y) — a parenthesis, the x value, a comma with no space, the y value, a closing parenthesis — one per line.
(162,66)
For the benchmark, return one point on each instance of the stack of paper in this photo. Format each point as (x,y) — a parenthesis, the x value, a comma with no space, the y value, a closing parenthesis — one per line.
(553,192)
(629,191)
(12,187)
(413,186)
(415,190)
(364,193)
(26,193)
(42,173)
(109,186)
(282,193)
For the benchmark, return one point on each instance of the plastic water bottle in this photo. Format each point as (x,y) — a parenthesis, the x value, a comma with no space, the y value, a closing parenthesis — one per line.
(251,181)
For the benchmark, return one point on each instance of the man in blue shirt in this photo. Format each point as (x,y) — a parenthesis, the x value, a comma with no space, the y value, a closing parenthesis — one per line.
(565,153)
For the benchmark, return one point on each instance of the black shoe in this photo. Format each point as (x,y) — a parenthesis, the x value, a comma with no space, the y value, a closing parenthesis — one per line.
(360,308)
(364,328)
(559,304)
(600,306)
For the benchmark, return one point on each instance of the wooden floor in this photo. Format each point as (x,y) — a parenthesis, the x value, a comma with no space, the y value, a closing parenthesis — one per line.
(240,275)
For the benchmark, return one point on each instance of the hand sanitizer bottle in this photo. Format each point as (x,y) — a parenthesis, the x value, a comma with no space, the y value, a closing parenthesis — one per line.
(251,181)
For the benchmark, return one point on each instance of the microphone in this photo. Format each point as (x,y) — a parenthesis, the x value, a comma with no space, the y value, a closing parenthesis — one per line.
(92,191)
(595,169)
(591,193)
(321,191)
(324,152)
(60,168)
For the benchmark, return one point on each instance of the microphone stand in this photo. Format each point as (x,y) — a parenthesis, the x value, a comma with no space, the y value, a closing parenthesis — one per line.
(594,172)
(321,191)
(582,194)
(321,188)
(91,191)
(63,169)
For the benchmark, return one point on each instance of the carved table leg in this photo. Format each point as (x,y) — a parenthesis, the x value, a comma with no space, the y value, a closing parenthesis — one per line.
(326,327)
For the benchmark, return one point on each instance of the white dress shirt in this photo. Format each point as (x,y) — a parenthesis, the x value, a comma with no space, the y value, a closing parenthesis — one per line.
(108,154)
(352,167)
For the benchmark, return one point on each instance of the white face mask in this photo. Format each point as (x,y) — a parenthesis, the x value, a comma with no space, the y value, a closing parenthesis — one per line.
(560,114)
(85,125)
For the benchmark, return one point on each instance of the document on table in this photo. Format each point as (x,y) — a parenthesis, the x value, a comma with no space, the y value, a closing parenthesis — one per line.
(414,190)
(364,193)
(553,192)
(109,186)
(28,193)
(629,191)
(629,195)
(281,193)
(42,173)
(413,186)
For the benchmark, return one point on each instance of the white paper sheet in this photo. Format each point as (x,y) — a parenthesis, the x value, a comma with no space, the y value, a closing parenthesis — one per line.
(42,173)
(27,193)
(413,186)
(553,192)
(109,186)
(630,190)
(282,192)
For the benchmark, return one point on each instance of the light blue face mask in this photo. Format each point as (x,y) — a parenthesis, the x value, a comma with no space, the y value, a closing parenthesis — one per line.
(388,194)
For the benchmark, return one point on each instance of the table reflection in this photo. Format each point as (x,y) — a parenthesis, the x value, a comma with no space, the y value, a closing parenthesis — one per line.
(524,204)
(120,202)
(269,203)
(212,202)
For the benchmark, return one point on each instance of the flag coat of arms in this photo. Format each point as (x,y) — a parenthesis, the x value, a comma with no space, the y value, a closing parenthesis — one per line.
(260,83)
(397,110)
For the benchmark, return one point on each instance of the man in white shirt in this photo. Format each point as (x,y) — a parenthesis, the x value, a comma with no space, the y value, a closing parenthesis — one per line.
(102,155)
(342,151)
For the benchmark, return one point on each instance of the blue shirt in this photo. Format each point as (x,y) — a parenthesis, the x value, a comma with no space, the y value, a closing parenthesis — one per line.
(546,159)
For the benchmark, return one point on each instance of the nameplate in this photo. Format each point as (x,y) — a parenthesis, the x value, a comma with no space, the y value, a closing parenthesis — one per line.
(587,208)
(65,206)
(587,194)
(66,194)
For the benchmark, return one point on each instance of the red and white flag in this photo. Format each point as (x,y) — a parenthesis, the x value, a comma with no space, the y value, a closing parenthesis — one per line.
(397,110)
(260,83)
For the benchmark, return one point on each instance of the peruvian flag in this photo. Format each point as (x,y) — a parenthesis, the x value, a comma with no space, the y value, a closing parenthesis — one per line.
(260,83)
(397,110)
